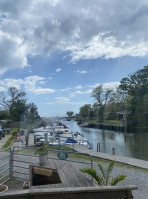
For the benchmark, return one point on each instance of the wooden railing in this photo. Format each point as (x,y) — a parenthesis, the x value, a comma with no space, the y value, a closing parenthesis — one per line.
(112,192)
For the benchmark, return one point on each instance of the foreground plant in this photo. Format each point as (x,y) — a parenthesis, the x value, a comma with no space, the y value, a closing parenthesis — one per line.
(104,179)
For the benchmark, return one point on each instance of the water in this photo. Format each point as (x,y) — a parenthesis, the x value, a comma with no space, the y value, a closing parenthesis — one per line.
(126,144)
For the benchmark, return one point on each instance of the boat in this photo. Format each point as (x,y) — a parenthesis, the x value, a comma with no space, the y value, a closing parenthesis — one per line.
(57,134)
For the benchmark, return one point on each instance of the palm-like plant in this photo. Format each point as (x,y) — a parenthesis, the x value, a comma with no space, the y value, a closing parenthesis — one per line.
(104,179)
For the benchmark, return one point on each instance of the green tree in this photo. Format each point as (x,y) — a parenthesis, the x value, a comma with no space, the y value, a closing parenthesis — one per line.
(12,97)
(18,110)
(136,86)
(102,96)
(86,111)
(32,114)
(15,104)
(69,113)
(104,178)
(4,115)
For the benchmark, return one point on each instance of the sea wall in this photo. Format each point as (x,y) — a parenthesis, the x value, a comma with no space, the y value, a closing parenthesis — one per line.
(106,126)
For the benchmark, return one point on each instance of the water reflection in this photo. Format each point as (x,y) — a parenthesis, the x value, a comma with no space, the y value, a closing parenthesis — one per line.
(131,145)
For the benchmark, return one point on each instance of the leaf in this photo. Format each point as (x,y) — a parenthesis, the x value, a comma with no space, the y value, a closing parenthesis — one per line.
(108,171)
(103,172)
(117,179)
(93,173)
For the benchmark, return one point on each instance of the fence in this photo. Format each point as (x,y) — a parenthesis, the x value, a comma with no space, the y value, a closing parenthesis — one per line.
(5,165)
(24,156)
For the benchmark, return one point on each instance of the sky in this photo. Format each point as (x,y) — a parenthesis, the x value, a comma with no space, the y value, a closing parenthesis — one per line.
(58,51)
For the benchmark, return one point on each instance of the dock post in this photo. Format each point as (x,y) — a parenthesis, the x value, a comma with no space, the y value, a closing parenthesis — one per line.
(59,141)
(113,149)
(91,159)
(46,138)
(98,147)
(11,164)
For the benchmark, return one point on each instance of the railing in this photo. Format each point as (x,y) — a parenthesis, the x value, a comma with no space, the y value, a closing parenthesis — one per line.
(24,156)
(21,162)
(5,165)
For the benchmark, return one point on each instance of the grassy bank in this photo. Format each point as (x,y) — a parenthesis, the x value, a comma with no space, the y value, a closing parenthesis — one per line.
(95,121)
(10,140)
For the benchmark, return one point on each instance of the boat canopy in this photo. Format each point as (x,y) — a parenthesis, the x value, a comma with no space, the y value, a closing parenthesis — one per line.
(71,140)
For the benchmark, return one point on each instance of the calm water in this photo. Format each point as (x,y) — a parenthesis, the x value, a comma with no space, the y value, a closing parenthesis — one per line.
(125,144)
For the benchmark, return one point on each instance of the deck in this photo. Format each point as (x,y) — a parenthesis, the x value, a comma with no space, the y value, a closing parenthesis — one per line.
(70,176)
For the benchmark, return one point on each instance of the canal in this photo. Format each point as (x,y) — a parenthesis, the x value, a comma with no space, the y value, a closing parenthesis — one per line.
(125,144)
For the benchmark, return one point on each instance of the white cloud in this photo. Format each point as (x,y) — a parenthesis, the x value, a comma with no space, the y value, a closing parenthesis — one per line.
(7,83)
(79,87)
(82,71)
(80,92)
(58,69)
(68,102)
(30,84)
(65,89)
(112,85)
(80,28)
(62,99)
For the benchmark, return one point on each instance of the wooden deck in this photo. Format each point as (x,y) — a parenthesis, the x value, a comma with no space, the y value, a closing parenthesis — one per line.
(69,174)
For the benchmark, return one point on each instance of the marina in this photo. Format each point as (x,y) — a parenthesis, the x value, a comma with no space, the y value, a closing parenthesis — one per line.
(133,145)
(85,149)
(58,135)
(20,157)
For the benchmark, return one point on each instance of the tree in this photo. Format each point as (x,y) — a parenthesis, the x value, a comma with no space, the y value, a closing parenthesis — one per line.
(4,115)
(96,113)
(85,111)
(13,96)
(136,86)
(15,104)
(104,179)
(18,110)
(32,113)
(69,113)
(102,96)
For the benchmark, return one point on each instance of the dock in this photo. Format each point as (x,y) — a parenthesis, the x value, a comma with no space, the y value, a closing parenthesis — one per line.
(120,159)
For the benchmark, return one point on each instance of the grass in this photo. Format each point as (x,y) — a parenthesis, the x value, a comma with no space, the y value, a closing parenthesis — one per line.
(113,122)
(10,140)
(95,121)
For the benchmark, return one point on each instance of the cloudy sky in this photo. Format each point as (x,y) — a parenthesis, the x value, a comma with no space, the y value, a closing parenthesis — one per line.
(57,51)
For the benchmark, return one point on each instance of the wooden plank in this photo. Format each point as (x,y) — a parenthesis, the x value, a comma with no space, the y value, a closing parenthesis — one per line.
(80,178)
(64,178)
(70,176)
(43,171)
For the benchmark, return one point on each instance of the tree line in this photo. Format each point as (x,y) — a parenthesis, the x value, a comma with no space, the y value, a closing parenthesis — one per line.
(127,103)
(14,107)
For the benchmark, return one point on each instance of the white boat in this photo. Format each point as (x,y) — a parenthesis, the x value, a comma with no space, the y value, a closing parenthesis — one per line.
(58,135)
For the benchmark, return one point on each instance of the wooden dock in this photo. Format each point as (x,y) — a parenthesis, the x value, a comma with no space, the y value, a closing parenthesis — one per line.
(121,159)
(31,139)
